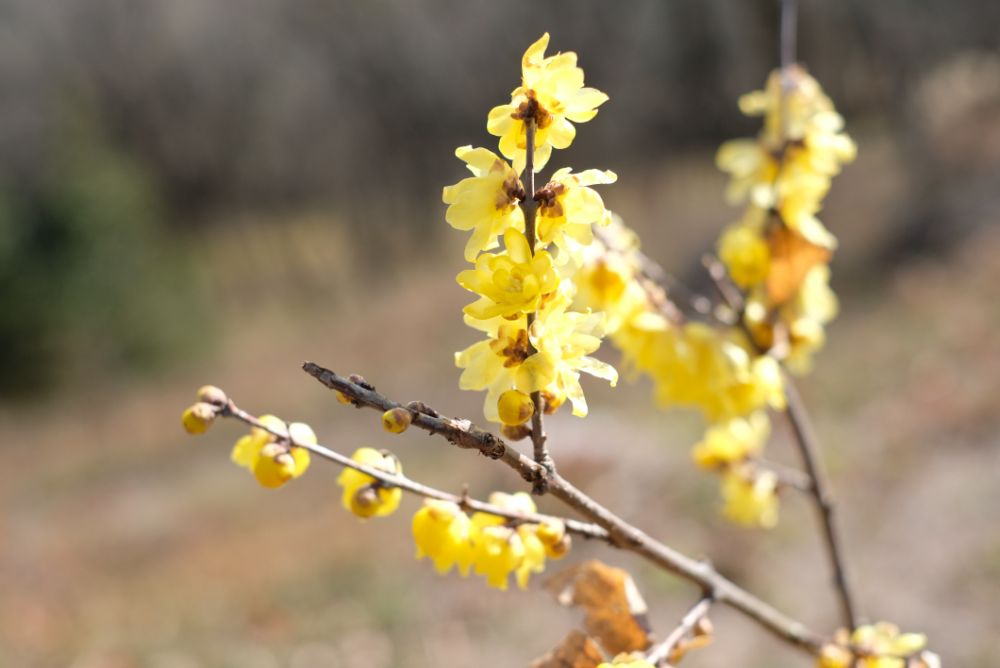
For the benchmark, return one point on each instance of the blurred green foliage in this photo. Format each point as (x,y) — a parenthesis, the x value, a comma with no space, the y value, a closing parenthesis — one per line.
(88,282)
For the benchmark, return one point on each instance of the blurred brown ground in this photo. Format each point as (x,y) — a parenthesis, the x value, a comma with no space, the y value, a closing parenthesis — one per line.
(125,543)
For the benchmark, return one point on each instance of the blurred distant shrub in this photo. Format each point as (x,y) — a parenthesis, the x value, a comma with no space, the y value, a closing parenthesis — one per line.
(86,278)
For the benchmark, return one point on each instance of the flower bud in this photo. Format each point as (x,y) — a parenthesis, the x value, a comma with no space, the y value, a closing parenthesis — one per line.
(210,394)
(515,407)
(342,398)
(515,433)
(275,466)
(198,418)
(365,501)
(396,420)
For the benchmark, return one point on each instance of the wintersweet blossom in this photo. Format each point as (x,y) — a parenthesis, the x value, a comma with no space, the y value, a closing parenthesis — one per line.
(552,95)
(509,283)
(879,645)
(365,496)
(750,497)
(568,208)
(442,532)
(731,442)
(487,202)
(268,454)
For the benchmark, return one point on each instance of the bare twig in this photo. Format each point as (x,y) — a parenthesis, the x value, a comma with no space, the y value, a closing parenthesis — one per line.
(584,529)
(538,437)
(659,284)
(661,653)
(787,475)
(621,533)
(808,446)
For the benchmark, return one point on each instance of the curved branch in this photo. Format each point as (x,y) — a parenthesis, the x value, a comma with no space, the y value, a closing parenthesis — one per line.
(584,529)
(621,534)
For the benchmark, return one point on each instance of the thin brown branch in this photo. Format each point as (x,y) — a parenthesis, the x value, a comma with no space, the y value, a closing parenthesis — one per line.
(658,283)
(660,654)
(808,447)
(584,529)
(788,476)
(621,534)
(529,207)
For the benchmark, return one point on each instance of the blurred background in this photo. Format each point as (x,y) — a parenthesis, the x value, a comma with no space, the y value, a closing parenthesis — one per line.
(196,192)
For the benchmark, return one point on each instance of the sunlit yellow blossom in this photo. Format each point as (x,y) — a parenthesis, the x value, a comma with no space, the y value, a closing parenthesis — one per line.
(732,441)
(568,208)
(363,495)
(487,202)
(269,453)
(497,551)
(534,554)
(878,645)
(552,94)
(247,449)
(442,532)
(503,362)
(750,497)
(274,467)
(510,283)
(565,340)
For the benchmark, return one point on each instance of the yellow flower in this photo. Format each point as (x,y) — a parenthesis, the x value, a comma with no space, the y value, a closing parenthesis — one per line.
(365,496)
(487,202)
(497,551)
(552,94)
(568,208)
(273,457)
(510,283)
(746,255)
(247,449)
(503,362)
(564,340)
(442,532)
(732,441)
(750,497)
(274,467)
(534,554)
(198,418)
(878,645)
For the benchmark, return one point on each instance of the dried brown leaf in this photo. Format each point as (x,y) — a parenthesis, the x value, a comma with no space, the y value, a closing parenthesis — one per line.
(577,650)
(615,613)
(792,256)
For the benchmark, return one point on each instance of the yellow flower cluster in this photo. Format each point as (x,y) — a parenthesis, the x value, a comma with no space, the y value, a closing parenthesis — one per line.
(362,494)
(878,645)
(713,370)
(534,343)
(552,94)
(779,251)
(487,544)
(626,661)
(271,454)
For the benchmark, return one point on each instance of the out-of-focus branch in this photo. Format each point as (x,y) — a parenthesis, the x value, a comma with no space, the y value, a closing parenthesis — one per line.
(660,654)
(808,447)
(621,533)
(658,283)
(584,529)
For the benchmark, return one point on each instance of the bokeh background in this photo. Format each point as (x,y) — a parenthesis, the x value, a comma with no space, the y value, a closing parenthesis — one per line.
(197,192)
